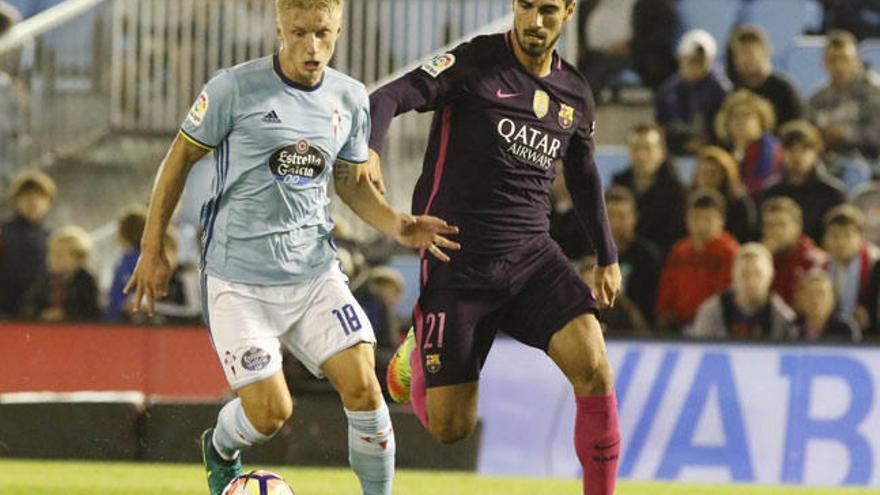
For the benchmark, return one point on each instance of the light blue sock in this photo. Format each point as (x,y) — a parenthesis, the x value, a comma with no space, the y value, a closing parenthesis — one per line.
(234,431)
(371,449)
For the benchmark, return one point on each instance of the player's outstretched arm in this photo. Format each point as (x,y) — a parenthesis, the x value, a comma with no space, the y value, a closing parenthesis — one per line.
(150,277)
(422,231)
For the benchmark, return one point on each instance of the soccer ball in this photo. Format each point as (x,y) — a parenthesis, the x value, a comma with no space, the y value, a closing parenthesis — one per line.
(258,483)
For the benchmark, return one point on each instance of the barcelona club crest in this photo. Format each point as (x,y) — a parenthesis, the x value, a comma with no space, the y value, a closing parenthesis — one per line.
(432,363)
(541,103)
(566,116)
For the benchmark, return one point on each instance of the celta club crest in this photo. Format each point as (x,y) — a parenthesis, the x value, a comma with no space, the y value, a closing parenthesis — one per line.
(566,116)
(432,363)
(541,103)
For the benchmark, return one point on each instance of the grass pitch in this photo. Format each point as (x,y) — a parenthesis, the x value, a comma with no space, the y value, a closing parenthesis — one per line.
(92,478)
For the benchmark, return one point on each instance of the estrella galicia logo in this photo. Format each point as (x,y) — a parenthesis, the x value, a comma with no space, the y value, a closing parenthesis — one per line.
(297,164)
(255,359)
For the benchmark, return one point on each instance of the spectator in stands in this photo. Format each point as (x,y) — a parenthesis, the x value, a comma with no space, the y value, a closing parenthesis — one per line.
(847,110)
(686,103)
(745,125)
(851,260)
(130,228)
(748,310)
(804,178)
(379,297)
(815,303)
(872,303)
(859,17)
(23,239)
(699,265)
(639,258)
(867,199)
(68,292)
(717,170)
(182,304)
(565,227)
(624,317)
(793,252)
(753,70)
(653,180)
(606,31)
(655,28)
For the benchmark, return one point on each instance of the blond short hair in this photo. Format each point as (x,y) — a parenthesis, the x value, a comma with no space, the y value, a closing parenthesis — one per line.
(73,238)
(285,5)
(756,104)
(33,181)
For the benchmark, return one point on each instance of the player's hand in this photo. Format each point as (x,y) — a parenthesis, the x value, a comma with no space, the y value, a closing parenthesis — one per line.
(608,283)
(372,172)
(149,280)
(426,232)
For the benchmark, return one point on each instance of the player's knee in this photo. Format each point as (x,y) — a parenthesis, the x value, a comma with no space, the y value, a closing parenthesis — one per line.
(271,415)
(596,378)
(362,396)
(449,432)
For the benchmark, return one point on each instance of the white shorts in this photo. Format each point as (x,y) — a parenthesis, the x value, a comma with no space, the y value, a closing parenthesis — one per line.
(314,319)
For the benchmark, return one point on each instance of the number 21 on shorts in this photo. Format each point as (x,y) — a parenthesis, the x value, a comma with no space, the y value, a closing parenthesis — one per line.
(348,318)
(436,324)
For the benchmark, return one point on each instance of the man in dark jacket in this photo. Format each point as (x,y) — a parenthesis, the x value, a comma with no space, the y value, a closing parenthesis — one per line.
(653,180)
(804,178)
(23,239)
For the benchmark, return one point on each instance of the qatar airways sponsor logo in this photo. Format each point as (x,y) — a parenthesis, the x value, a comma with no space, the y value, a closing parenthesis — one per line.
(527,143)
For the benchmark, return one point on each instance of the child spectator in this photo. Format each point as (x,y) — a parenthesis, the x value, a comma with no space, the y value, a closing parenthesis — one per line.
(745,125)
(815,304)
(793,252)
(804,178)
(686,103)
(23,239)
(639,258)
(851,260)
(68,292)
(716,170)
(748,310)
(660,194)
(699,265)
(130,229)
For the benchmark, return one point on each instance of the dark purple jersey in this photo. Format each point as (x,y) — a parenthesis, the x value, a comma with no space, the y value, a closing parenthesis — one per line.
(497,132)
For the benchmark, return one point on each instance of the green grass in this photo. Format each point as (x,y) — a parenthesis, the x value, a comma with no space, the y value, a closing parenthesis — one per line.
(90,478)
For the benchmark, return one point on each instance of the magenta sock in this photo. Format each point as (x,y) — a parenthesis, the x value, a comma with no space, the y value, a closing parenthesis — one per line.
(597,442)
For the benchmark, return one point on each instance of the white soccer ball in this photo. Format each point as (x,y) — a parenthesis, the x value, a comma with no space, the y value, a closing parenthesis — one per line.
(258,483)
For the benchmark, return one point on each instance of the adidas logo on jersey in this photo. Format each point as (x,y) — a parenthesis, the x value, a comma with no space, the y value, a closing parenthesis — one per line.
(271,117)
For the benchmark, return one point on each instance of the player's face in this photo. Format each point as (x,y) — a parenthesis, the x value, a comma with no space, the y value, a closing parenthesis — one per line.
(704,224)
(308,39)
(842,241)
(779,231)
(753,275)
(538,24)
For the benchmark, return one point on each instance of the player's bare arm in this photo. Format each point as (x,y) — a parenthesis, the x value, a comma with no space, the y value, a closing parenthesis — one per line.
(150,277)
(422,231)
(373,171)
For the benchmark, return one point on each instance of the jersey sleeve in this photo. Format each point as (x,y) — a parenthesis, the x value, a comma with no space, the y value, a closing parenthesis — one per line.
(355,148)
(212,115)
(429,87)
(585,186)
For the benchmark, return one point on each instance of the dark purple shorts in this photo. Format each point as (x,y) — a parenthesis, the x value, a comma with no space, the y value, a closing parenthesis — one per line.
(530,295)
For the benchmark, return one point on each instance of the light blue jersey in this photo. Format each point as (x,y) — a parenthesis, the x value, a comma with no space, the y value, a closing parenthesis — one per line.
(274,144)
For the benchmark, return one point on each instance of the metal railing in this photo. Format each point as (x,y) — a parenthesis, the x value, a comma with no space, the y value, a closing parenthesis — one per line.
(55,87)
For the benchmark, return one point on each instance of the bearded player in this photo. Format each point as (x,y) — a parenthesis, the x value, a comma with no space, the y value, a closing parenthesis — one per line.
(507,107)
(277,126)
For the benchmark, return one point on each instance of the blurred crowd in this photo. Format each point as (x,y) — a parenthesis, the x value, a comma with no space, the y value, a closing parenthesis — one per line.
(776,234)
